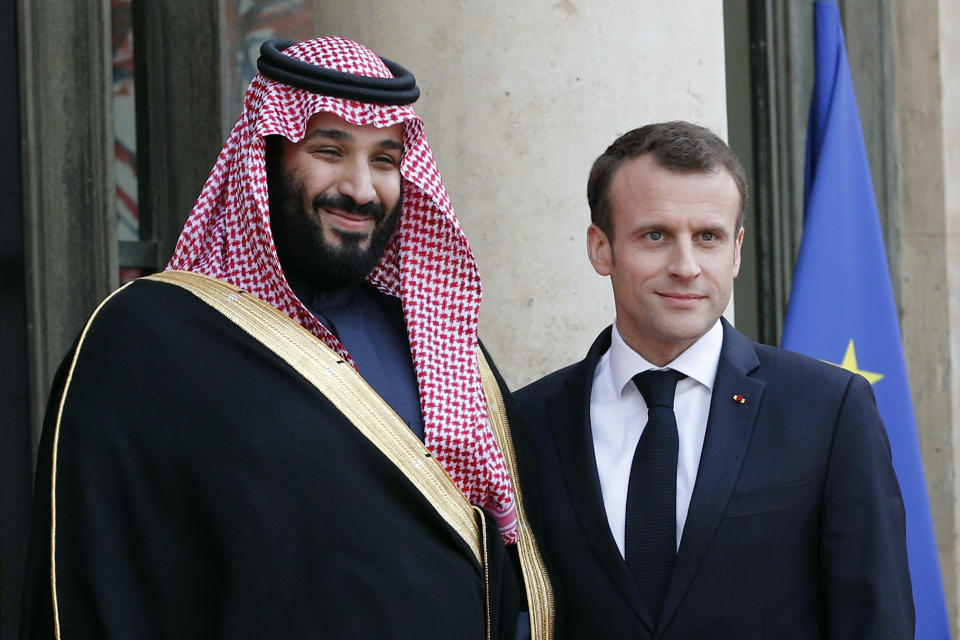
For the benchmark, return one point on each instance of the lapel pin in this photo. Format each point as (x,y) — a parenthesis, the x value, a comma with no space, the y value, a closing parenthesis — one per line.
(739,398)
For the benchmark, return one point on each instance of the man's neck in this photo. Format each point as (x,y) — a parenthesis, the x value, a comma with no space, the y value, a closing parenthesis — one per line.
(313,295)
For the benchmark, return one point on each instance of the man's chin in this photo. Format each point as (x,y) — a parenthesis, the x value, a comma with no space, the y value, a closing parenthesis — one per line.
(685,333)
(348,240)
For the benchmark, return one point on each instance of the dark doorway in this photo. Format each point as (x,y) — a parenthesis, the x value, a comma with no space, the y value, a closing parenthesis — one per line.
(15,480)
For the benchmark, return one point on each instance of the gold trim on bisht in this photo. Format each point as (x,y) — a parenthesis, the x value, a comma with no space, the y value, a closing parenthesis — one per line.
(343,386)
(537,583)
(482,524)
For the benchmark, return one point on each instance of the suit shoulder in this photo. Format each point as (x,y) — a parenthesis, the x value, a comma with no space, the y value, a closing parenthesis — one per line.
(799,363)
(538,390)
(805,376)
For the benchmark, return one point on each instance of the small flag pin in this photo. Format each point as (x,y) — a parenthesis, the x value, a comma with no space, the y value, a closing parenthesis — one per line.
(739,398)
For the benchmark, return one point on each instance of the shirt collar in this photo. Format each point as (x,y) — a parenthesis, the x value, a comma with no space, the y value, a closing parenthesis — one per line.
(699,361)
(320,300)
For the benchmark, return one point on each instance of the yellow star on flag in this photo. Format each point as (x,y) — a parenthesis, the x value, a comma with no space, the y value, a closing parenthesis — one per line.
(850,364)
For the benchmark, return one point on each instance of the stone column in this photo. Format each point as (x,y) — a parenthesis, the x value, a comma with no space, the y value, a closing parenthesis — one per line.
(518,100)
(70,229)
(927,46)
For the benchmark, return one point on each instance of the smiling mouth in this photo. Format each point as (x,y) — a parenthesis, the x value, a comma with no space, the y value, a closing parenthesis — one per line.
(682,299)
(349,221)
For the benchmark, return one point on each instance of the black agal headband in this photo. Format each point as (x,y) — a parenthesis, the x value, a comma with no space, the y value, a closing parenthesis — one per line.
(276,65)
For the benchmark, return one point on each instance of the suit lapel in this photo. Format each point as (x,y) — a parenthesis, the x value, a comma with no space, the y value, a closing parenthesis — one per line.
(570,424)
(729,427)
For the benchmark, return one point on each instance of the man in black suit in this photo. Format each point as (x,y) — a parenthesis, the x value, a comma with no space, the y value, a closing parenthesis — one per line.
(741,492)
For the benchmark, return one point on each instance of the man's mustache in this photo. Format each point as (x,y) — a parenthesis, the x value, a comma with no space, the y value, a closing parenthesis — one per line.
(347,204)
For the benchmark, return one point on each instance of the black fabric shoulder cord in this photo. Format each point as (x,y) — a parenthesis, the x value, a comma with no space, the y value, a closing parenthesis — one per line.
(399,90)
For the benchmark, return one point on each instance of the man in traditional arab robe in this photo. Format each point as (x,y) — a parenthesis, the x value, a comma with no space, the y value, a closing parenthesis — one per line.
(293,431)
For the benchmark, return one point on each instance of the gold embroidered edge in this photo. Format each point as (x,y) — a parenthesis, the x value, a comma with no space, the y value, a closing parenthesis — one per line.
(482,524)
(540,600)
(340,383)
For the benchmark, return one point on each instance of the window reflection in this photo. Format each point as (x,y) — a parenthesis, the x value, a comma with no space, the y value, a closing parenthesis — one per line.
(248,24)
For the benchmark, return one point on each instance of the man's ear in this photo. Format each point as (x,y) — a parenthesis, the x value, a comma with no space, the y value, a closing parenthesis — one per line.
(737,246)
(599,250)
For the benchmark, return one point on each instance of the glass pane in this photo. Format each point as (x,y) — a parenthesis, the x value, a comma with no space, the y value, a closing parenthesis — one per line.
(248,24)
(125,128)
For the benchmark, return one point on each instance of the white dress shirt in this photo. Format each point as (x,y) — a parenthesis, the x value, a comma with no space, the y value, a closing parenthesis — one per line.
(618,415)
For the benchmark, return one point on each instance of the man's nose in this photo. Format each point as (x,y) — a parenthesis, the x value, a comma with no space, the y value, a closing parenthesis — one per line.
(683,261)
(357,182)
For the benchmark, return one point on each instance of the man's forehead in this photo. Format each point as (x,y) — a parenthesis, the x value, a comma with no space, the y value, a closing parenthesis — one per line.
(328,124)
(644,188)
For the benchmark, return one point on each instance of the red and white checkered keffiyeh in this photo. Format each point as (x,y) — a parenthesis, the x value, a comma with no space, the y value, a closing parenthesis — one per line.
(428,264)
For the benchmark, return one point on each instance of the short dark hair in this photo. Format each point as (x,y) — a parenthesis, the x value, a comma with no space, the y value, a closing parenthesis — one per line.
(675,145)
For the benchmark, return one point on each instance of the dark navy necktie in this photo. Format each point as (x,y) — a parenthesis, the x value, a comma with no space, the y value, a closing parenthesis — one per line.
(650,535)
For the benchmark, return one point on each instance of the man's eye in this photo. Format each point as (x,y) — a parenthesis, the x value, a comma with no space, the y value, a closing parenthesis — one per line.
(326,151)
(708,236)
(656,236)
(388,160)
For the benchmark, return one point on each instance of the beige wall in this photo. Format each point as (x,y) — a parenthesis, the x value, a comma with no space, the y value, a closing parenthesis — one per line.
(927,46)
(947,380)
(518,100)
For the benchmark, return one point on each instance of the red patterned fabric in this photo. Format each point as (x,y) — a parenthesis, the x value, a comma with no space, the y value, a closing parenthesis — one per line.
(428,264)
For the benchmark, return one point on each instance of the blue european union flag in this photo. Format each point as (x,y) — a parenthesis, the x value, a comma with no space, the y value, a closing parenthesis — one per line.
(841,305)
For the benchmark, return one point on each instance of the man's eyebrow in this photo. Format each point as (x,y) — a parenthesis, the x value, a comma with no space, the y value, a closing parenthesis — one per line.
(333,134)
(340,134)
(390,144)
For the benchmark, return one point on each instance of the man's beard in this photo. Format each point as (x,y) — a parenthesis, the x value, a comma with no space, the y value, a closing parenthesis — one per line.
(301,246)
